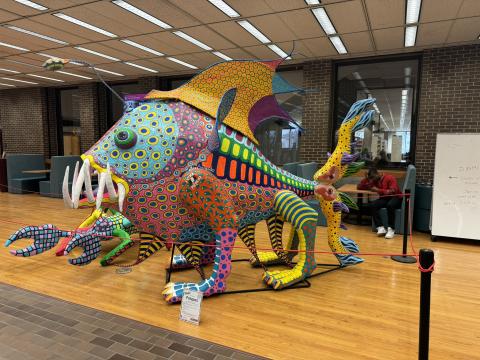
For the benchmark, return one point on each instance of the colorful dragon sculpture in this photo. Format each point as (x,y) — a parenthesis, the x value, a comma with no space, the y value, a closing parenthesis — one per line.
(184,167)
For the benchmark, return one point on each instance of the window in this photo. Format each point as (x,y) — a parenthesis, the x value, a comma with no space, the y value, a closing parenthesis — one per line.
(394,85)
(278,139)
(69,124)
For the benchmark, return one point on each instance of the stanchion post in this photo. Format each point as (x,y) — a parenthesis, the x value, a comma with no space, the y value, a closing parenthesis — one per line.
(406,228)
(426,260)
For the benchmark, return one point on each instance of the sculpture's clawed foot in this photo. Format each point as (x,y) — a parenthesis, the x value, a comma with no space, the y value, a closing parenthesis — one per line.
(173,292)
(44,238)
(266,258)
(280,279)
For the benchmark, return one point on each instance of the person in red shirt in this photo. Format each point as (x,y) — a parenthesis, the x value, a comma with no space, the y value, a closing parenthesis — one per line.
(387,187)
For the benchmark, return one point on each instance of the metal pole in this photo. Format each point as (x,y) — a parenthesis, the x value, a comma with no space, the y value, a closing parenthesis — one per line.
(426,260)
(406,228)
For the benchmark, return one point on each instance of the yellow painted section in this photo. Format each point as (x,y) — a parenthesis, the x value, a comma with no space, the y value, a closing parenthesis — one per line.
(225,145)
(236,150)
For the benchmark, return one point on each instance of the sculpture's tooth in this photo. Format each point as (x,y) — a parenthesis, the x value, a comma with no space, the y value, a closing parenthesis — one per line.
(88,182)
(66,194)
(112,194)
(121,196)
(101,187)
(77,187)
(75,175)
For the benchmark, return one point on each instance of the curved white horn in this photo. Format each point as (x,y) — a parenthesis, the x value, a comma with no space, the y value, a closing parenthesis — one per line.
(121,196)
(112,194)
(101,187)
(77,187)
(66,194)
(75,175)
(88,182)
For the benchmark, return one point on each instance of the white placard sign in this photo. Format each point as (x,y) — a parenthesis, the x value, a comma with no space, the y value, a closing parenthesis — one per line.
(190,308)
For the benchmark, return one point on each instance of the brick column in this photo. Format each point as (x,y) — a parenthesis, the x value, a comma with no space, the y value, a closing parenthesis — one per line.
(315,142)
(449,100)
(89,115)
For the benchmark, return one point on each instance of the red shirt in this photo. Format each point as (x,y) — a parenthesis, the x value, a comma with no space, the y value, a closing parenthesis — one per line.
(387,185)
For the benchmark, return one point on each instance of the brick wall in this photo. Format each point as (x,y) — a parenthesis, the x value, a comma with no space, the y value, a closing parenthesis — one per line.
(449,100)
(21,118)
(315,142)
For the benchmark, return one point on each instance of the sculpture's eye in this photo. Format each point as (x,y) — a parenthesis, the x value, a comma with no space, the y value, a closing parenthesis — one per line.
(125,138)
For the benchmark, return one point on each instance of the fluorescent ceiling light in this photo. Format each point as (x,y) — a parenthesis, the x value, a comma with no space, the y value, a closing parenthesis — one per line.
(84,24)
(10,71)
(324,21)
(141,13)
(13,46)
(108,72)
(142,47)
(72,74)
(192,40)
(312,2)
(222,55)
(279,51)
(2,84)
(141,67)
(182,62)
(254,31)
(32,4)
(46,78)
(225,8)
(97,53)
(337,42)
(21,81)
(45,37)
(413,11)
(410,35)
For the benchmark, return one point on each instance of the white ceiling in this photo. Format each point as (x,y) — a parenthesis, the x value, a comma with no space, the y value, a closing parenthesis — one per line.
(366,27)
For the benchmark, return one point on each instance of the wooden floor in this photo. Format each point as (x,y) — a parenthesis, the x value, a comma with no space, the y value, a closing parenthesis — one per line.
(369,311)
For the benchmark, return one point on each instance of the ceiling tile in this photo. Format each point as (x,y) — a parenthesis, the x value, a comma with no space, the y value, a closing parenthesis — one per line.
(166,43)
(261,7)
(235,33)
(464,30)
(302,23)
(387,39)
(262,52)
(385,13)
(273,27)
(7,16)
(202,10)
(347,16)
(469,8)
(111,51)
(433,33)
(358,42)
(238,54)
(320,47)
(436,10)
(208,37)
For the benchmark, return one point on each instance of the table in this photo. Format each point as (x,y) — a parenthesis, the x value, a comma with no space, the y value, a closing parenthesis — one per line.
(36,171)
(352,189)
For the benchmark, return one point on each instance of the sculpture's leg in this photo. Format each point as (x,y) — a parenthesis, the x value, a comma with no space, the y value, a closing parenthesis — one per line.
(205,196)
(247,235)
(304,220)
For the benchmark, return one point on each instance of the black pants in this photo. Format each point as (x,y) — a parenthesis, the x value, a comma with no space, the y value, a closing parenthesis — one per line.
(391,203)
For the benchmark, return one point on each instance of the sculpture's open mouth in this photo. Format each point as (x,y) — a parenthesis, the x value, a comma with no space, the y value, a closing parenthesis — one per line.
(111,190)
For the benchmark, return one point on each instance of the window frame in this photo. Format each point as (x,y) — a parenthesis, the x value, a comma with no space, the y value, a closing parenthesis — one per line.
(415,103)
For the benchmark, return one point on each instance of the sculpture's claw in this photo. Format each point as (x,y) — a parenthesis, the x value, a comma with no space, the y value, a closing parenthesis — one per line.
(44,238)
(90,242)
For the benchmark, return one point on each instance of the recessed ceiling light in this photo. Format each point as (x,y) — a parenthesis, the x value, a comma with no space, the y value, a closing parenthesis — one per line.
(32,4)
(222,55)
(324,21)
(45,77)
(141,67)
(410,35)
(225,8)
(72,74)
(142,47)
(182,62)
(13,46)
(108,72)
(254,31)
(84,24)
(21,81)
(10,71)
(279,51)
(192,40)
(413,11)
(45,37)
(141,13)
(312,2)
(2,84)
(337,42)
(97,53)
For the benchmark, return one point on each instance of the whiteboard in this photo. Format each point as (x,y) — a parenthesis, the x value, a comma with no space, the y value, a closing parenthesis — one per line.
(456,186)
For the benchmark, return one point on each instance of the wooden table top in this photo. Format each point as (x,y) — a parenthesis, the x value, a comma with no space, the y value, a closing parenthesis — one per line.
(45,171)
(352,188)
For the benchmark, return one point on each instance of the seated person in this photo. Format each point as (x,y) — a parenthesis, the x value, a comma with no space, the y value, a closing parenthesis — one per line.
(386,186)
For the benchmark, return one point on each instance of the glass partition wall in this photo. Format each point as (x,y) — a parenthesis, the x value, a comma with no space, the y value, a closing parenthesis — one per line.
(388,141)
(69,124)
